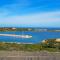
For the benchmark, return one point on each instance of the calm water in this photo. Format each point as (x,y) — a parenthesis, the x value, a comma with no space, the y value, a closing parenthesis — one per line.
(36,36)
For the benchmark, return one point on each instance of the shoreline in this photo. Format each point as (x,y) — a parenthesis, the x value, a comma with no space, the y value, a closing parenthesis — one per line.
(16,42)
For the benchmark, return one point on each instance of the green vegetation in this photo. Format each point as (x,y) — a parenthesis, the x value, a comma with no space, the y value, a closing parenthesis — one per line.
(16,29)
(50,45)
(19,47)
(28,29)
(23,29)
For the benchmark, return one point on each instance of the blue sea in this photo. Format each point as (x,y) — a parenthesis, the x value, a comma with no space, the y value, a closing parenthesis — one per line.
(36,36)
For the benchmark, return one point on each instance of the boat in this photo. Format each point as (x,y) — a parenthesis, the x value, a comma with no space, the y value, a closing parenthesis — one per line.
(19,36)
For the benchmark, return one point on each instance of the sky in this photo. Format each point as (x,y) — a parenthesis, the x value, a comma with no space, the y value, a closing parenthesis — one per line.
(29,13)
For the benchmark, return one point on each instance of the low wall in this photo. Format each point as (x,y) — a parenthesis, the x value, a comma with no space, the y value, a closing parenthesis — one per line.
(29,56)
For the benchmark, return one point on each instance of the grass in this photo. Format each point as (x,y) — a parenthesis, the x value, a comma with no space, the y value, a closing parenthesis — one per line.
(28,47)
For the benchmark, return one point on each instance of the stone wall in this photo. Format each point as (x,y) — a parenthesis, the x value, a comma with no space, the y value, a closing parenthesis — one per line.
(16,55)
(31,58)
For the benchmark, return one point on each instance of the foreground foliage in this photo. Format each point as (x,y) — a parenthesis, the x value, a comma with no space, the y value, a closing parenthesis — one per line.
(50,45)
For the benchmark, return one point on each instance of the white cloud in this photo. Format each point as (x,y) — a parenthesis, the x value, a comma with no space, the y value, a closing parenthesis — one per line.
(42,19)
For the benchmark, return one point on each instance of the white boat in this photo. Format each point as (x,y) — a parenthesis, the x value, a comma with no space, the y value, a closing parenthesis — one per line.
(20,36)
